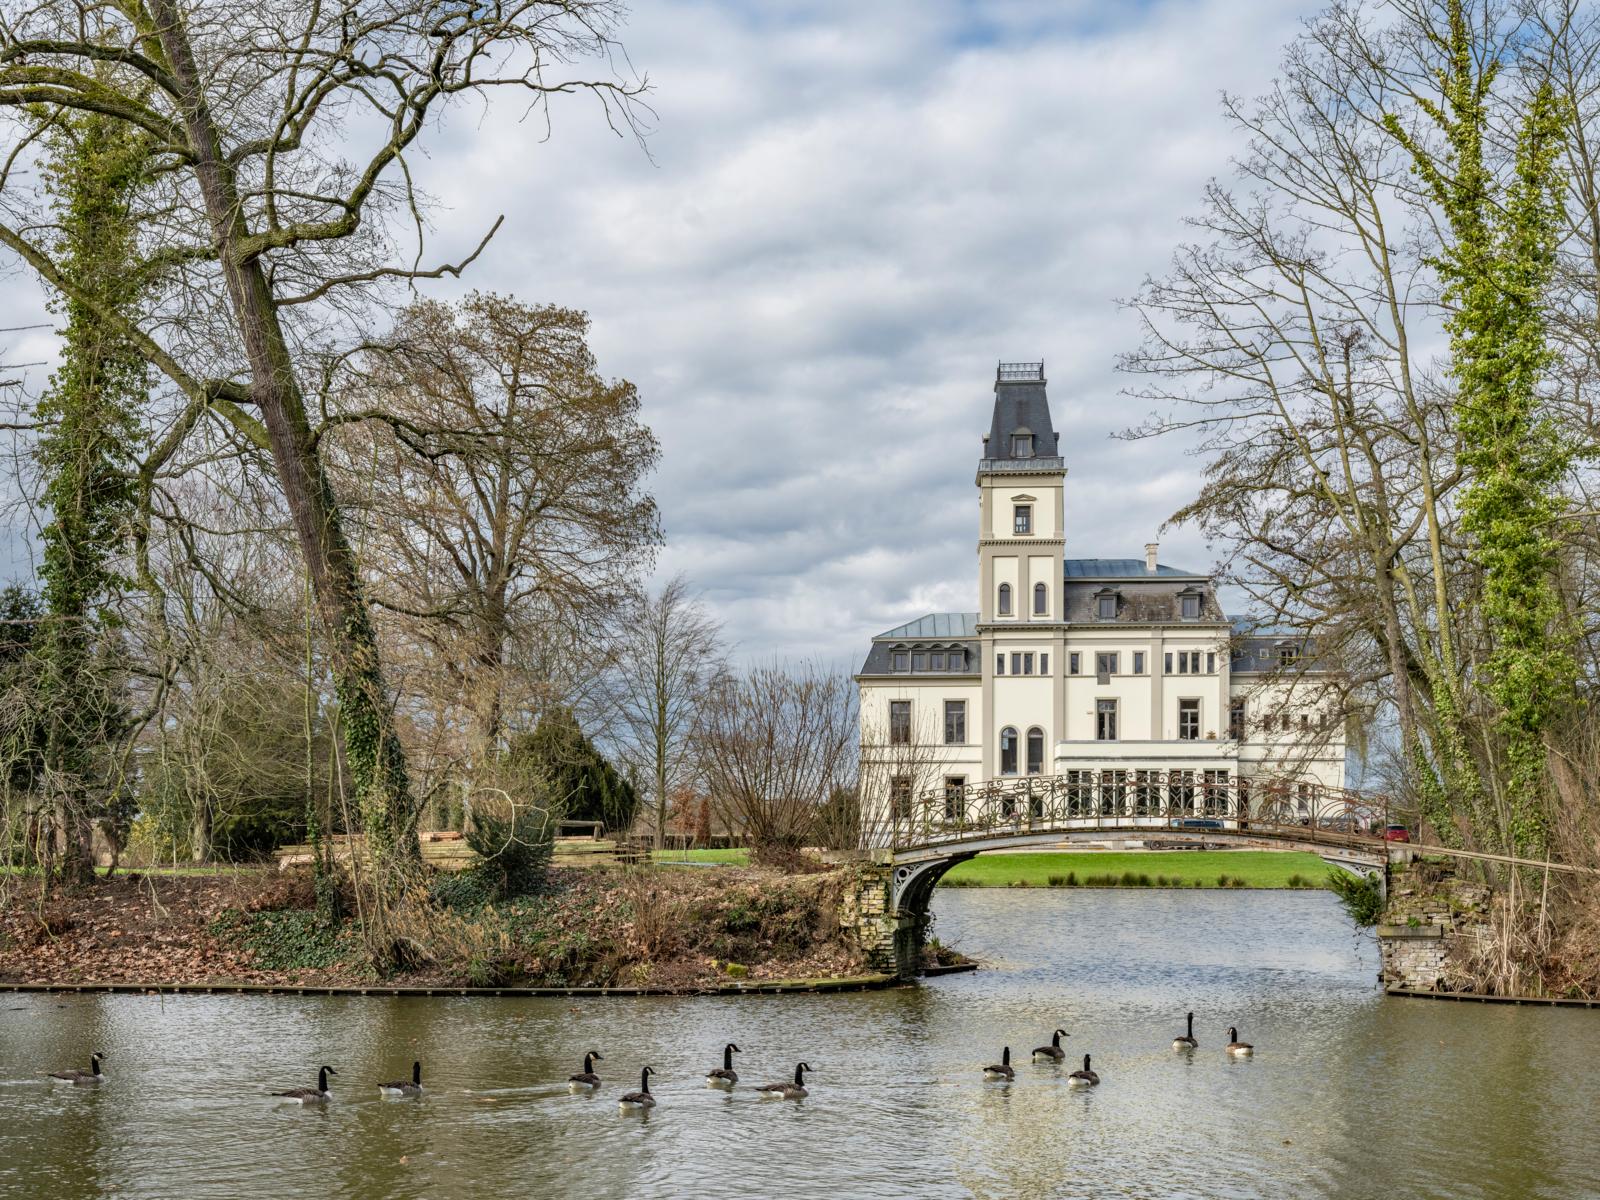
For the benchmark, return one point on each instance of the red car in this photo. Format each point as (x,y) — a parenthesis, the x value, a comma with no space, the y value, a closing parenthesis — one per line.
(1396,833)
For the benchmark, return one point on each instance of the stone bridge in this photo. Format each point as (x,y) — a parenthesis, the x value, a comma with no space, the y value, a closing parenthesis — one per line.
(888,905)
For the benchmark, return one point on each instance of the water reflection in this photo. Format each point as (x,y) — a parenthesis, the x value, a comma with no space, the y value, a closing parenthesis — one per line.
(1348,1095)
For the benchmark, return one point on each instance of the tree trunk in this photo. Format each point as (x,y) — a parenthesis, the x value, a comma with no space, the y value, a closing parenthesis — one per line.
(377,761)
(200,833)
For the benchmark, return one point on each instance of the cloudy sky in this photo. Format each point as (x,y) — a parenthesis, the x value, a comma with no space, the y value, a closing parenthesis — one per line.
(847,213)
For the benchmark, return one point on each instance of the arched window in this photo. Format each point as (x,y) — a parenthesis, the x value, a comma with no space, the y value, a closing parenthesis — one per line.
(1035,751)
(1005,599)
(1041,600)
(1008,751)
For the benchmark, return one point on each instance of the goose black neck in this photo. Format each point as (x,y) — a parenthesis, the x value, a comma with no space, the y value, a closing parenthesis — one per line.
(588,1062)
(1055,1039)
(322,1079)
(1233,1033)
(644,1080)
(1191,1024)
(799,1074)
(94,1063)
(1085,1062)
(416,1073)
(1005,1057)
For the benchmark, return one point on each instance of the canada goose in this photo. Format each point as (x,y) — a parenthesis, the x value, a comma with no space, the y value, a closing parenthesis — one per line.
(1237,1048)
(80,1076)
(1053,1051)
(1003,1071)
(586,1078)
(400,1087)
(787,1091)
(1186,1042)
(642,1098)
(724,1076)
(316,1095)
(1083,1078)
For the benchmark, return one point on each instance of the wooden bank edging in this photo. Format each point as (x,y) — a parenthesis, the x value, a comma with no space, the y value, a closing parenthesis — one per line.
(1479,997)
(852,983)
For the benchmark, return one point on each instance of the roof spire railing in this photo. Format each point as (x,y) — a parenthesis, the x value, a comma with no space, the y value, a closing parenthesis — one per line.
(1008,372)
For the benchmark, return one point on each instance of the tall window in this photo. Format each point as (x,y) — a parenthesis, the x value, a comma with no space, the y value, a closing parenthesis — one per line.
(1044,664)
(1106,608)
(1188,720)
(1035,751)
(999,664)
(1214,792)
(1211,664)
(899,722)
(1027,664)
(1189,607)
(1041,600)
(1022,518)
(900,797)
(1138,662)
(1008,751)
(1105,666)
(1236,720)
(955,722)
(1305,796)
(1005,599)
(1105,720)
(1074,662)
(1016,664)
(955,797)
(1188,662)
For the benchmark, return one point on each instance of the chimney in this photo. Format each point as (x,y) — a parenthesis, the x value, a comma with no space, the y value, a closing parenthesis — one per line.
(1150,549)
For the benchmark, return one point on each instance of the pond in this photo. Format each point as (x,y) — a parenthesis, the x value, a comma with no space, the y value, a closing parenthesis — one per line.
(1348,1094)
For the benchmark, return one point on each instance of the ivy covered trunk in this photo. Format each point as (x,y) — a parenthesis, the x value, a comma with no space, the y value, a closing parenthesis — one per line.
(85,456)
(377,762)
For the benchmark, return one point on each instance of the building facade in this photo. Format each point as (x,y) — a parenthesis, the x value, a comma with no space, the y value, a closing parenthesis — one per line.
(1115,671)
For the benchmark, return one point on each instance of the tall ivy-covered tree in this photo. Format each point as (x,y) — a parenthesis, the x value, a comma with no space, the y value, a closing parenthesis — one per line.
(86,459)
(1496,269)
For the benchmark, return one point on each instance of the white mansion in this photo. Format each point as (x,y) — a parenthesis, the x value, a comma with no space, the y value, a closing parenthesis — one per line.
(1118,671)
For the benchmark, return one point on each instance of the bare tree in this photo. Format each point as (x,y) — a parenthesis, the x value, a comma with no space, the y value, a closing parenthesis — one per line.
(501,500)
(669,655)
(270,226)
(773,744)
(903,759)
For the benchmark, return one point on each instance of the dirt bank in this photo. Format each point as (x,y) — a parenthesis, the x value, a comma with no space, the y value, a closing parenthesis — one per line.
(683,929)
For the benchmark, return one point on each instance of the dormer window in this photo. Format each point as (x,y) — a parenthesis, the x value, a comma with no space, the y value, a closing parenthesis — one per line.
(901,661)
(1022,444)
(1189,606)
(1022,518)
(1105,606)
(1287,652)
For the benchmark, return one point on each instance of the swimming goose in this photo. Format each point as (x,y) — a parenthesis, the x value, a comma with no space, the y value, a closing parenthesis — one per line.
(724,1076)
(1186,1042)
(787,1091)
(400,1087)
(642,1098)
(586,1078)
(1237,1048)
(316,1095)
(1053,1051)
(1003,1071)
(1083,1078)
(80,1076)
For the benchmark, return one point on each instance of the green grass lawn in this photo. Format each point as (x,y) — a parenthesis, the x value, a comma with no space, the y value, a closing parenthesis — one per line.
(736,857)
(1182,868)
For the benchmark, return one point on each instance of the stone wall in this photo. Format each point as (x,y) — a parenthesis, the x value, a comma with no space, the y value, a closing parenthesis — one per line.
(866,914)
(1432,922)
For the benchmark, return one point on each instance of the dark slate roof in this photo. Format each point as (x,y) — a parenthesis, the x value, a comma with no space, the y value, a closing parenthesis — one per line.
(1123,568)
(877,662)
(1260,653)
(1142,602)
(935,625)
(1020,406)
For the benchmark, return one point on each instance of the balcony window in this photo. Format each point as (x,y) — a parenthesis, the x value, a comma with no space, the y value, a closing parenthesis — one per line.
(1008,751)
(1105,666)
(955,797)
(1188,720)
(1105,720)
(1022,518)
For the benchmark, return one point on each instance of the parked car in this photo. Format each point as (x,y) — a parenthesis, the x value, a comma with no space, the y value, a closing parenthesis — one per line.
(1196,823)
(1396,833)
(1341,823)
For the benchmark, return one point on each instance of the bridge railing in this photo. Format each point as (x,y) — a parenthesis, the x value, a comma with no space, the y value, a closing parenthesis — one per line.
(1180,800)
